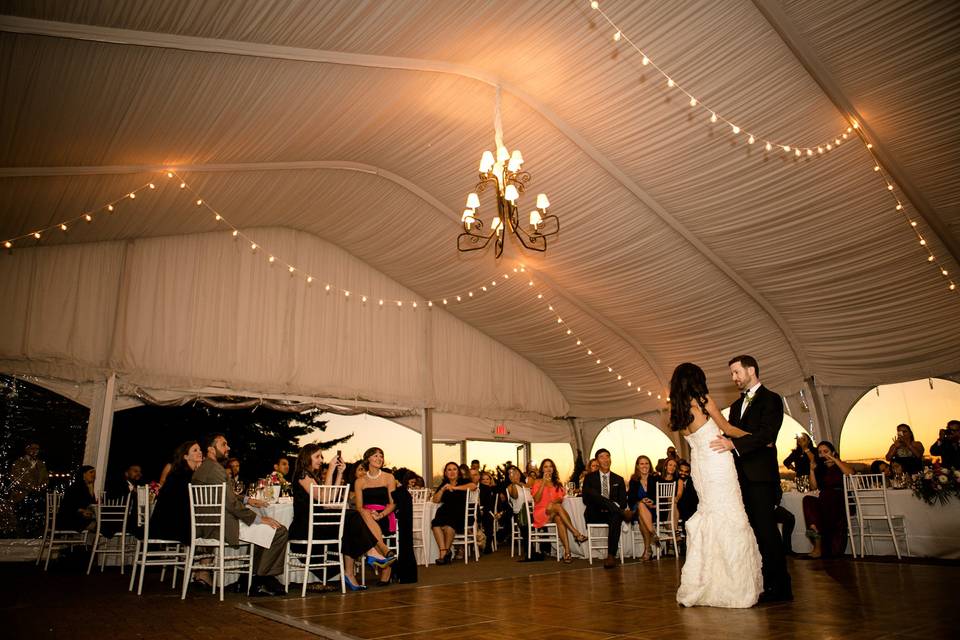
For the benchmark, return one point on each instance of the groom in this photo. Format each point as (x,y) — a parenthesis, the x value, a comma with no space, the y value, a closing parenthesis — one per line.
(760,412)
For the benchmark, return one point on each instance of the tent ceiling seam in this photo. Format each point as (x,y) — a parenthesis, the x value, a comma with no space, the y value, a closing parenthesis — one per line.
(778,19)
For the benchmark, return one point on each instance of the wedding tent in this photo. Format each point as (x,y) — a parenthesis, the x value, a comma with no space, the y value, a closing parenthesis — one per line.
(342,137)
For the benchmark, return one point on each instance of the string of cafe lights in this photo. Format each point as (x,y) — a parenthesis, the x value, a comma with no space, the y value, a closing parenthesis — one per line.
(600,362)
(798,151)
(901,208)
(715,116)
(518,272)
(115,206)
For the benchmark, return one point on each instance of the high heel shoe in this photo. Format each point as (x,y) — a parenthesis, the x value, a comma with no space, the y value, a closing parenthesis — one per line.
(381,563)
(581,538)
(442,559)
(353,587)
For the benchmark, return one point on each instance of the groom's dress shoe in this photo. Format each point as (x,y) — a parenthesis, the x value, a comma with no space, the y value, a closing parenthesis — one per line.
(774,596)
(609,562)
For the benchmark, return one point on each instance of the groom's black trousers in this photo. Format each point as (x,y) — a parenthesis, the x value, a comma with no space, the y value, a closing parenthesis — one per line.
(760,499)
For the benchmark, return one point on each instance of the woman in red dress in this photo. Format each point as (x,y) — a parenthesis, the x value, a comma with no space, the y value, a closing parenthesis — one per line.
(548,508)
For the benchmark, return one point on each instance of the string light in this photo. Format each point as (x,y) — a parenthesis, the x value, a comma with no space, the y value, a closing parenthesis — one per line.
(695,101)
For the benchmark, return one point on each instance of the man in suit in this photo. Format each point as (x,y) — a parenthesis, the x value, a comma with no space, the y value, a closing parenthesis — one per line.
(123,485)
(759,411)
(605,497)
(267,563)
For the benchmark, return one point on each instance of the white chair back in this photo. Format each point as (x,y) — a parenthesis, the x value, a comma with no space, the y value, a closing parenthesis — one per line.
(546,533)
(110,511)
(419,496)
(328,506)
(850,510)
(143,508)
(665,515)
(470,521)
(207,529)
(207,511)
(870,494)
(51,504)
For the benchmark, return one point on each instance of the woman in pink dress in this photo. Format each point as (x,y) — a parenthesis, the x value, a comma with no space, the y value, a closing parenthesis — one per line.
(548,508)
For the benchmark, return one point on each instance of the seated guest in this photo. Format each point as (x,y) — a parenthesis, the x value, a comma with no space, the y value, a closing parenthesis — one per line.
(642,498)
(126,483)
(122,487)
(687,498)
(357,538)
(906,450)
(670,471)
(171,512)
(532,472)
(282,467)
(75,512)
(548,496)
(947,445)
(825,514)
(449,519)
(881,467)
(268,563)
(590,468)
(605,497)
(233,472)
(28,485)
(799,459)
(487,502)
(515,492)
(474,475)
(373,496)
(671,455)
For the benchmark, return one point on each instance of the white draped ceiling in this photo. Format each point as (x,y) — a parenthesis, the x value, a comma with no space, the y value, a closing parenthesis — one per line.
(345,136)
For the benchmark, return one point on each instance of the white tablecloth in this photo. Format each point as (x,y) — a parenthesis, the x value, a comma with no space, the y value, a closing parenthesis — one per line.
(932,531)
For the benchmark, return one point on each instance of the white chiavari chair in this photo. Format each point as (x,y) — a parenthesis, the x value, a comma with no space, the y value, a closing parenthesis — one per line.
(165,553)
(208,517)
(328,508)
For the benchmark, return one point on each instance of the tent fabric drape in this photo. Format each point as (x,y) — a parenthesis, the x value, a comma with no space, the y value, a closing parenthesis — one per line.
(203,311)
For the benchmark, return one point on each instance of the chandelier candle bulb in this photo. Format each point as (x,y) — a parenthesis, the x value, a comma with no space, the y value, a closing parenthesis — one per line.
(502,155)
(535,218)
(511,194)
(542,201)
(473,201)
(486,162)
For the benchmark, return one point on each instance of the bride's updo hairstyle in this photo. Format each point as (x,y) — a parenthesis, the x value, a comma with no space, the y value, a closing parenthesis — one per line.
(688,383)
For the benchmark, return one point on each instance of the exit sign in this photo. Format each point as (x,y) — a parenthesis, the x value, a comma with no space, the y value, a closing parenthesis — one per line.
(500,431)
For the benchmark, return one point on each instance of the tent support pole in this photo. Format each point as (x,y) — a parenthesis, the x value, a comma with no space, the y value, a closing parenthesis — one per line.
(96,452)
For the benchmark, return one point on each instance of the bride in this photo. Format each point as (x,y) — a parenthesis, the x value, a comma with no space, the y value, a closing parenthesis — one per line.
(722,568)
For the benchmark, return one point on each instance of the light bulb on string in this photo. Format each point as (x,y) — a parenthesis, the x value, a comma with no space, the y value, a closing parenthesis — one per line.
(131,195)
(109,207)
(63,227)
(88,217)
(617,36)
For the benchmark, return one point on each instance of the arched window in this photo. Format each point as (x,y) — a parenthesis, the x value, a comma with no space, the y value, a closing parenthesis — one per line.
(627,439)
(926,405)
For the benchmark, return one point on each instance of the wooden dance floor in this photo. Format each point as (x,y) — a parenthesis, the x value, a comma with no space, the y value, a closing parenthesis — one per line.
(834,599)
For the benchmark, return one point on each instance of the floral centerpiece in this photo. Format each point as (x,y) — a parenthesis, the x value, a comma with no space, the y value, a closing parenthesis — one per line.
(937,484)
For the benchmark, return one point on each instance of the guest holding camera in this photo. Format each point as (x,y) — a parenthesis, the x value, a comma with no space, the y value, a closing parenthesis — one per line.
(906,450)
(947,445)
(799,459)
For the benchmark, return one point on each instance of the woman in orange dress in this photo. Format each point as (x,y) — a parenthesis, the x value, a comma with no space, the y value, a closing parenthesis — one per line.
(548,508)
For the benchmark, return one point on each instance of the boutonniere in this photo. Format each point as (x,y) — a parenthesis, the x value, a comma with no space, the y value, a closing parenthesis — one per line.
(749,400)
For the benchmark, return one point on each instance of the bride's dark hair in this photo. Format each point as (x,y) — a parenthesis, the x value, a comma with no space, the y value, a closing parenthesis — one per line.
(688,383)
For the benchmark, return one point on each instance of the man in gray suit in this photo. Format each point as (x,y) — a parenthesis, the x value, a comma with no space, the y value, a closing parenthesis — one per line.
(267,563)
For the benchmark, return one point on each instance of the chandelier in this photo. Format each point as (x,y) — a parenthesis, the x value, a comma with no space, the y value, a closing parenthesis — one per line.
(503,174)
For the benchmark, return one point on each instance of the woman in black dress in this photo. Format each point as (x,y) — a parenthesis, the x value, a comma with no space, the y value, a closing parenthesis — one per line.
(75,512)
(171,514)
(357,538)
(373,496)
(448,521)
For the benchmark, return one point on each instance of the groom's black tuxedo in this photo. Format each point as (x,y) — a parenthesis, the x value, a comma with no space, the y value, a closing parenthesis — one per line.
(756,460)
(757,468)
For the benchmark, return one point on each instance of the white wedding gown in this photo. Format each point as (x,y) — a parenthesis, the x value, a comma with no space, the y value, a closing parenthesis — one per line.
(722,568)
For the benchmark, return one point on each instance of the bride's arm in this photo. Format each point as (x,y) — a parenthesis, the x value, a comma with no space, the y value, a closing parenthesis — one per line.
(728,429)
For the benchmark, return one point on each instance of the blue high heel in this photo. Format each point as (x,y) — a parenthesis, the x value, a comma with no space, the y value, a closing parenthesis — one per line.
(381,563)
(353,587)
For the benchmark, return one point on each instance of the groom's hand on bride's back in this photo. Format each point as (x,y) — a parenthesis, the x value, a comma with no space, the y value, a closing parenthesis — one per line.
(721,444)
